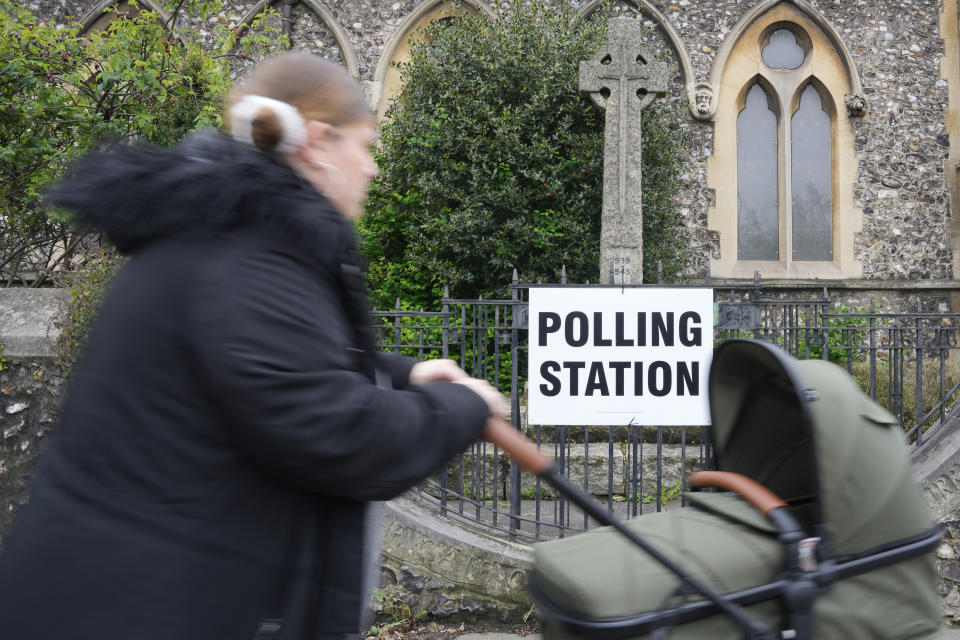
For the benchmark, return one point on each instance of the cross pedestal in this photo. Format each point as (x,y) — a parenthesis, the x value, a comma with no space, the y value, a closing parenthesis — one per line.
(622,79)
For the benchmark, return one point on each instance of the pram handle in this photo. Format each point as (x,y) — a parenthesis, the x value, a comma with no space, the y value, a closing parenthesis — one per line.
(749,489)
(522,449)
(528,455)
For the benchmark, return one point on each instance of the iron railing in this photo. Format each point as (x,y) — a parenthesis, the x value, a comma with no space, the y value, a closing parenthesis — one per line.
(902,360)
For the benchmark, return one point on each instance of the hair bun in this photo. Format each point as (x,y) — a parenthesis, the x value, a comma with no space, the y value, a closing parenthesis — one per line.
(268,124)
(266,130)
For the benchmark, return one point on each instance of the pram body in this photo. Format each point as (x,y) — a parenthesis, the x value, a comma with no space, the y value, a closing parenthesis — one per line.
(805,431)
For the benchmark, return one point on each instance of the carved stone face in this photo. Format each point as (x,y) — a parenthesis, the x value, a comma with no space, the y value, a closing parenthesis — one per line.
(372,93)
(703,99)
(856,104)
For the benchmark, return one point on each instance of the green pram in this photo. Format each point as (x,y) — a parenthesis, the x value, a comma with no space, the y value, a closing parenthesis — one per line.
(821,533)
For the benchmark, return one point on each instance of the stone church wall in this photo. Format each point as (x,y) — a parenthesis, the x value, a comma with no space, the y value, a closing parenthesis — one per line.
(901,144)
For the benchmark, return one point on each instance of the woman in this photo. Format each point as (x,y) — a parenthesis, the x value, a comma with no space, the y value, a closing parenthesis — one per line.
(230,416)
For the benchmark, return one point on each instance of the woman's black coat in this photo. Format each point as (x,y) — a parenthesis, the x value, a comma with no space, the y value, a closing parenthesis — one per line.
(225,425)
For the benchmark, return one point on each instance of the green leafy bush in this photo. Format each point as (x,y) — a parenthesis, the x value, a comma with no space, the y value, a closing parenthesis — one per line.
(64,92)
(847,333)
(491,160)
(483,350)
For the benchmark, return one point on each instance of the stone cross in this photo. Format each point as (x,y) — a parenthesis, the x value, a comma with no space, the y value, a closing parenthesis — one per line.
(622,79)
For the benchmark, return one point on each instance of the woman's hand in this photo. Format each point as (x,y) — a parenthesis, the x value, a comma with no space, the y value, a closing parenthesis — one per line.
(437,371)
(448,371)
(494,399)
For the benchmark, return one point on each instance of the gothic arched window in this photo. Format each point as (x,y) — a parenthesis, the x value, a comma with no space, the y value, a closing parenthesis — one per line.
(783,161)
(811,179)
(757,193)
(802,221)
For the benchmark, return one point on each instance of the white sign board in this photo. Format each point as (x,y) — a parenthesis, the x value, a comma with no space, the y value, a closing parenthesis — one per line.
(602,356)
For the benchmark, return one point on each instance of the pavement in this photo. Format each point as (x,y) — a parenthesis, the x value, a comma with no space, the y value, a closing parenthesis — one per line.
(503,636)
(947,634)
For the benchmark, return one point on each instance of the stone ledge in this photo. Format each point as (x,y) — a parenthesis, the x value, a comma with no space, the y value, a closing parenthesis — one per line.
(936,469)
(26,317)
(852,284)
(444,569)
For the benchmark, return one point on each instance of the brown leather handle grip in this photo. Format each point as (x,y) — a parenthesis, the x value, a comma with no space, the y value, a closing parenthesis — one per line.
(749,489)
(521,448)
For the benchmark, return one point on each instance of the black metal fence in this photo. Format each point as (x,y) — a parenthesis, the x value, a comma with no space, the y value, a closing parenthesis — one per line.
(902,360)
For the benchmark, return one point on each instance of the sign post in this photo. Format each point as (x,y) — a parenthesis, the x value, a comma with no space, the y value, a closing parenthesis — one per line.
(616,356)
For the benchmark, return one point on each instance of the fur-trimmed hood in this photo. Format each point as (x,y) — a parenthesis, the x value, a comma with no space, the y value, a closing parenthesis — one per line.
(140,194)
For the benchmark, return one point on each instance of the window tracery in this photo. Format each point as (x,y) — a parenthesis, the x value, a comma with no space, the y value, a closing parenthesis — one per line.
(784,165)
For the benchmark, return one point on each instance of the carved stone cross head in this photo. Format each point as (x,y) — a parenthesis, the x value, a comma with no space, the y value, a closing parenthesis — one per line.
(622,79)
(622,65)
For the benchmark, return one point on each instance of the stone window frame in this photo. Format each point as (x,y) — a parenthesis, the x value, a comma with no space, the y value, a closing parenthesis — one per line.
(95,19)
(783,89)
(949,71)
(325,16)
(828,66)
(386,83)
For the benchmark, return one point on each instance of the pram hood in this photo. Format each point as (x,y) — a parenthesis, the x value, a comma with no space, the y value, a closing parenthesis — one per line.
(805,430)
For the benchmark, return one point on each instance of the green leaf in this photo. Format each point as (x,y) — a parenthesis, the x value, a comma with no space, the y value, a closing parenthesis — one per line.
(491,160)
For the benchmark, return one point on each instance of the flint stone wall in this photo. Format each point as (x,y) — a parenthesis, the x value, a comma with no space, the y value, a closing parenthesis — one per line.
(30,396)
(901,144)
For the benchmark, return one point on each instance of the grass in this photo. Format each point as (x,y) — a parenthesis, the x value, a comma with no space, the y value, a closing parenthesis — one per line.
(930,383)
(667,494)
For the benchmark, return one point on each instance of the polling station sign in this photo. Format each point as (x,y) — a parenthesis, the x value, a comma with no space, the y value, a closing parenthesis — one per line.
(616,356)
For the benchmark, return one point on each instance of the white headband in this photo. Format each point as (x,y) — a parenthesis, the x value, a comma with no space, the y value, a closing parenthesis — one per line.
(292,124)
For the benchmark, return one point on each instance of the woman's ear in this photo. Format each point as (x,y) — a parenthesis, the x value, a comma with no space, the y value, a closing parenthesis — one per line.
(319,135)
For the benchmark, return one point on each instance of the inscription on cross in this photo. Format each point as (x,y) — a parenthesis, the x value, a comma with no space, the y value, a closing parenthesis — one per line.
(622,79)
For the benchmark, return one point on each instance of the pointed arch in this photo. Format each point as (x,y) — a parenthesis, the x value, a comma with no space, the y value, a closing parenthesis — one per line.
(328,19)
(758,216)
(768,89)
(758,11)
(812,118)
(819,220)
(829,104)
(91,17)
(386,79)
(587,9)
